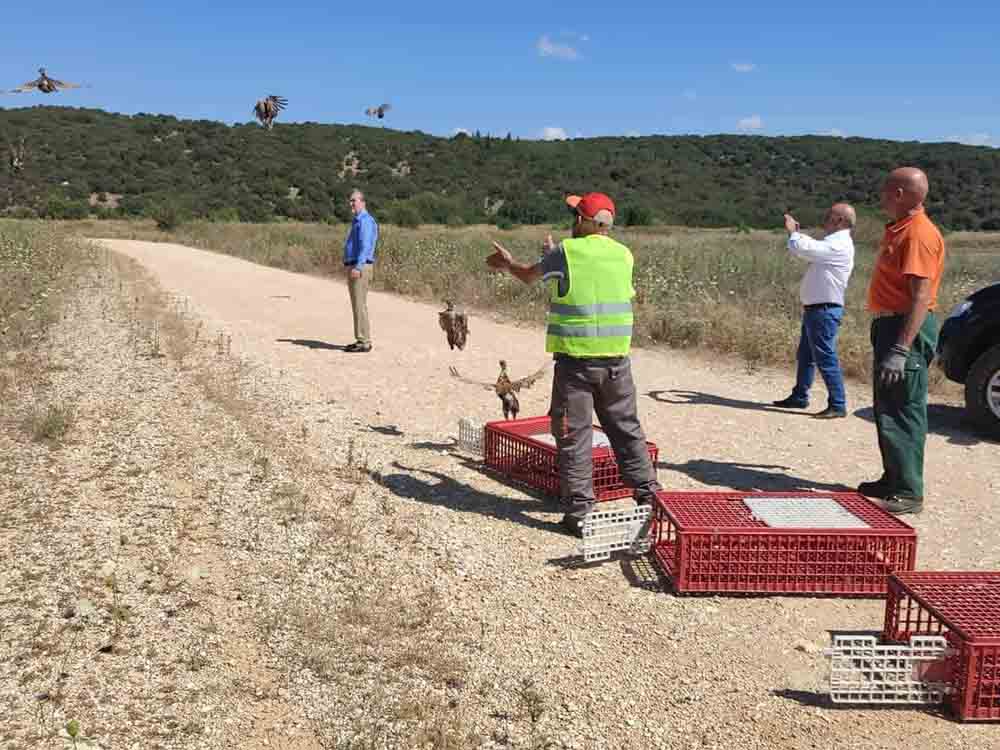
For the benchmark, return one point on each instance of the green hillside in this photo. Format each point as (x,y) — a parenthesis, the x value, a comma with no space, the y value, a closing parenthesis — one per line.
(81,161)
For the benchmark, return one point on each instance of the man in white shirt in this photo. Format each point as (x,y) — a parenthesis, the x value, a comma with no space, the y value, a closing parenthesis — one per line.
(831,261)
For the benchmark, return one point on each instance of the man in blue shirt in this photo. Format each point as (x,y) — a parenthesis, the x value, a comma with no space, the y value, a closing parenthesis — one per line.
(359,259)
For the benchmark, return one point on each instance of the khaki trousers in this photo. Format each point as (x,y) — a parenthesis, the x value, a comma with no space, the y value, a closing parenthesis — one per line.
(358,289)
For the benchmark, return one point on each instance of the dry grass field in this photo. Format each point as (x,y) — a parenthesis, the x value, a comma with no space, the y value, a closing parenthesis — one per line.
(718,290)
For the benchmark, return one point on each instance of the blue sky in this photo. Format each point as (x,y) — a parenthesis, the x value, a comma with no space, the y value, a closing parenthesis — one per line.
(923,70)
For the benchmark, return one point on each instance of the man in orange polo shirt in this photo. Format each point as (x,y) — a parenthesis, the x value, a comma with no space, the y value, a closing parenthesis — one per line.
(902,297)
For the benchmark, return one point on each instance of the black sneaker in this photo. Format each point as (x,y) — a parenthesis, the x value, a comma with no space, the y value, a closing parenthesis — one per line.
(830,413)
(791,403)
(572,524)
(878,488)
(899,506)
(357,346)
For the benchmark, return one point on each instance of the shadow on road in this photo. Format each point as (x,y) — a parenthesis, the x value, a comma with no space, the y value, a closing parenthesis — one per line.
(944,419)
(313,344)
(698,398)
(742,476)
(441,489)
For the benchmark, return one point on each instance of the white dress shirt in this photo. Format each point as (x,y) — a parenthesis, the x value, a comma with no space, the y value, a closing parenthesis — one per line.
(831,261)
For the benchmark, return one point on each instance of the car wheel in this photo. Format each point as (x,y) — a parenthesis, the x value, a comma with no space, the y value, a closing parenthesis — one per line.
(982,390)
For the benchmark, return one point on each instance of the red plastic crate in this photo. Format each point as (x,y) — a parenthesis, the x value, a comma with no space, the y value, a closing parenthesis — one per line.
(513,449)
(965,608)
(711,542)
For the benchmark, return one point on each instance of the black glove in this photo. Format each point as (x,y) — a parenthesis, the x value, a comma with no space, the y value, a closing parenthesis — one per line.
(892,368)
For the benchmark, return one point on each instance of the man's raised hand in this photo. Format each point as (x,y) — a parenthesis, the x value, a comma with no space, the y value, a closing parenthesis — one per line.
(500,259)
(791,224)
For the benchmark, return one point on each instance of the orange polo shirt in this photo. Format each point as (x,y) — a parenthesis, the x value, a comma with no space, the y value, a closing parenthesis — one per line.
(912,246)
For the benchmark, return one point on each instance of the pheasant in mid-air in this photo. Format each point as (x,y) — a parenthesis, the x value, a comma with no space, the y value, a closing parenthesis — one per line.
(378,111)
(267,109)
(455,324)
(505,388)
(45,84)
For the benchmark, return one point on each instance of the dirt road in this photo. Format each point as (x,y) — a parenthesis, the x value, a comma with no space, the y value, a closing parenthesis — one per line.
(626,663)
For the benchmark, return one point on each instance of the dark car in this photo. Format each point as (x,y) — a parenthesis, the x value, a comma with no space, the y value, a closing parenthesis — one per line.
(969,353)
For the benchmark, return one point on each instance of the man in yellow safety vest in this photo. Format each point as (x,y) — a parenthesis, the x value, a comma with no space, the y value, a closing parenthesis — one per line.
(590,334)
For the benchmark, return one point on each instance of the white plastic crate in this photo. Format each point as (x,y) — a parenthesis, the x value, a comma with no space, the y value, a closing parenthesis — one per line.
(607,531)
(470,436)
(862,671)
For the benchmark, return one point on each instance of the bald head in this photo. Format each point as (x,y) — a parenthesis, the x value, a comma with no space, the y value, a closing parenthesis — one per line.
(904,191)
(839,216)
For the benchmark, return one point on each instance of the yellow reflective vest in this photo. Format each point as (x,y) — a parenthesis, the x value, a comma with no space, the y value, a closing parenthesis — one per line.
(594,318)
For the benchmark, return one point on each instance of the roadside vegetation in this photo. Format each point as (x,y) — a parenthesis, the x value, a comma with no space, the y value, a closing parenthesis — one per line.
(721,290)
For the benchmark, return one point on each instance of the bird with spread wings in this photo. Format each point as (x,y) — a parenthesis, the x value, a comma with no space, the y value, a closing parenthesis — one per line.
(378,111)
(45,84)
(455,323)
(505,388)
(268,108)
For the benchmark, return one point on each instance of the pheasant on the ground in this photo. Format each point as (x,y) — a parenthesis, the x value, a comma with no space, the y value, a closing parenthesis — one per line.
(45,84)
(268,108)
(454,323)
(505,388)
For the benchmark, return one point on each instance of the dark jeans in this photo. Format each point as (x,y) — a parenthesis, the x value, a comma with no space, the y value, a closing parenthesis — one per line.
(901,410)
(818,350)
(581,388)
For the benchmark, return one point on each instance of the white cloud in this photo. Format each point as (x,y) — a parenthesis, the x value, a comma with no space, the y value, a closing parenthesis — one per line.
(690,94)
(632,134)
(753,122)
(834,133)
(973,139)
(554,134)
(744,67)
(464,131)
(584,37)
(548,48)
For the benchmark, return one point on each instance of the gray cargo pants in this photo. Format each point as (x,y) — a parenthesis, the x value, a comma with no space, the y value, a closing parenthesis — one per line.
(581,388)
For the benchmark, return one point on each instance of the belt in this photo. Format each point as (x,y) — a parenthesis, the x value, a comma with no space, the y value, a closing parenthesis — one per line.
(821,305)
(367,263)
(886,314)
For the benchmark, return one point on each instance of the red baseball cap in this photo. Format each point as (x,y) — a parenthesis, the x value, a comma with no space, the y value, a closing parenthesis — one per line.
(590,204)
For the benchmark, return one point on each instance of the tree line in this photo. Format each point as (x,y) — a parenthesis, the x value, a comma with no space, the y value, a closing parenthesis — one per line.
(88,162)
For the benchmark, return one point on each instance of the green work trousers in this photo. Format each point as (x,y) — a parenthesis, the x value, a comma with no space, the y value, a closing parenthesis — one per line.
(901,409)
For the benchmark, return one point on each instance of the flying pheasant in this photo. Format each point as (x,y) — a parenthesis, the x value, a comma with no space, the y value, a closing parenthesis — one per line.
(505,388)
(45,84)
(455,324)
(267,109)
(378,111)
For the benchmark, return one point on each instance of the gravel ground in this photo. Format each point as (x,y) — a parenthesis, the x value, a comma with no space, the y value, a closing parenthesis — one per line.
(258,540)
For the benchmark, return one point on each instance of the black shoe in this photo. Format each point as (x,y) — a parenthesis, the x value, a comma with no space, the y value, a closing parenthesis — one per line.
(791,403)
(573,525)
(877,489)
(357,346)
(830,413)
(646,498)
(899,506)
